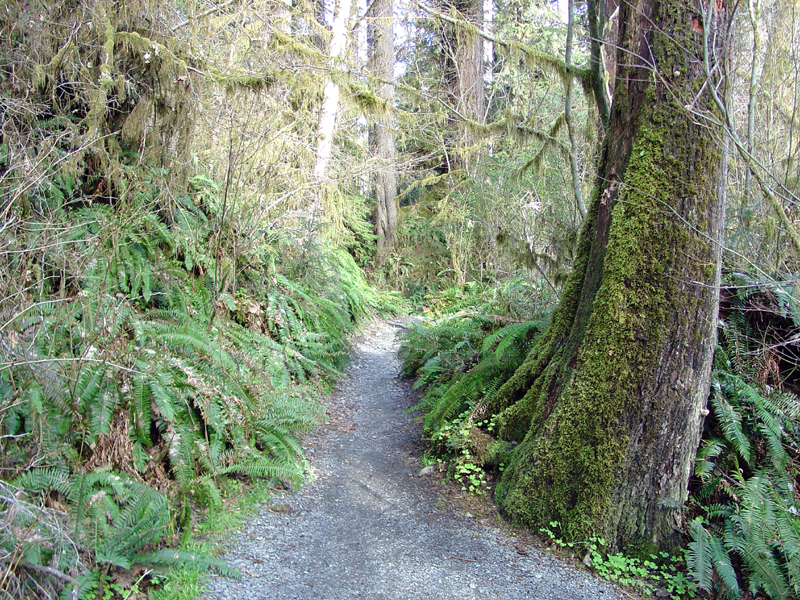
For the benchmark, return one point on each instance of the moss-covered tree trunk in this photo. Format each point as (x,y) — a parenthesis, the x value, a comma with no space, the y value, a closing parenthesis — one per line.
(381,63)
(607,408)
(463,74)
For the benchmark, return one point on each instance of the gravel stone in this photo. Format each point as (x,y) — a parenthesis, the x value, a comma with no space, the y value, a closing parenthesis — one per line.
(366,526)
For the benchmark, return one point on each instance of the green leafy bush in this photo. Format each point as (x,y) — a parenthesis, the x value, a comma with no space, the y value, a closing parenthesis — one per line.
(460,361)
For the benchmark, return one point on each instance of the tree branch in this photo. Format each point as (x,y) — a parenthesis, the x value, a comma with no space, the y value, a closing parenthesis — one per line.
(212,10)
(48,571)
(558,66)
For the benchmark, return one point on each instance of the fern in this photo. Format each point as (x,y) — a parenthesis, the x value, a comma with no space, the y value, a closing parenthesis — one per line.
(707,556)
(759,524)
(141,393)
(198,560)
(730,420)
(127,361)
(460,363)
(41,480)
(510,335)
(705,461)
(699,558)
(257,465)
(88,386)
(462,394)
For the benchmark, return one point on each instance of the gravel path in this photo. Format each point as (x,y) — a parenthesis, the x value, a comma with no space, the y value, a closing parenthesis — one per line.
(369,527)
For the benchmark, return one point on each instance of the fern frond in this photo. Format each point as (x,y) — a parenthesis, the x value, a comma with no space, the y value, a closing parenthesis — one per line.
(765,572)
(699,560)
(772,431)
(278,440)
(256,465)
(88,385)
(113,558)
(730,422)
(704,463)
(43,479)
(516,339)
(723,566)
(140,389)
(705,556)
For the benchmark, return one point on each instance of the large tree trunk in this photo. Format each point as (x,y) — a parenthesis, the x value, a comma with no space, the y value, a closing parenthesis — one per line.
(608,405)
(381,63)
(464,76)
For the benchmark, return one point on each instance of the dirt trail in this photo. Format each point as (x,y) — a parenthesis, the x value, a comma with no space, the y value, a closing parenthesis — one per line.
(369,527)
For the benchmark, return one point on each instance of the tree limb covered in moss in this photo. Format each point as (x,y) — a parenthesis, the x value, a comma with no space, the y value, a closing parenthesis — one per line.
(532,56)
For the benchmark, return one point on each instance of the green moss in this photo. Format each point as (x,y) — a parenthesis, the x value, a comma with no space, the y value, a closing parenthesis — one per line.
(567,467)
(522,401)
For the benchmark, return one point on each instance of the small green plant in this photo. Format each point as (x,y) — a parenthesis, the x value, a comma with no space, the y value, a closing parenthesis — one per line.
(660,573)
(455,436)
(113,591)
(430,460)
(183,583)
(471,477)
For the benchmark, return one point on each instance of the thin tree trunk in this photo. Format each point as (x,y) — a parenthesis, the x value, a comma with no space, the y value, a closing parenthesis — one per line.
(754,13)
(469,65)
(464,75)
(599,35)
(608,405)
(573,141)
(330,94)
(488,45)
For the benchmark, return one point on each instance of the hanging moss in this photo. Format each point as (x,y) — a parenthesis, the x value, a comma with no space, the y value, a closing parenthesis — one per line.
(104,69)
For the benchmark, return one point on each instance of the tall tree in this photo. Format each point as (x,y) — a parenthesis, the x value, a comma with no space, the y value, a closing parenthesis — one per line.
(464,75)
(330,93)
(381,64)
(608,407)
(468,68)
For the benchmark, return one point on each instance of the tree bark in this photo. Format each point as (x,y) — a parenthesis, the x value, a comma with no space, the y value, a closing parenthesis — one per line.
(608,406)
(469,63)
(573,141)
(330,93)
(381,64)
(464,76)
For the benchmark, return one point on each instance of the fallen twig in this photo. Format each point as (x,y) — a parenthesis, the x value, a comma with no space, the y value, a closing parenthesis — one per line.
(464,559)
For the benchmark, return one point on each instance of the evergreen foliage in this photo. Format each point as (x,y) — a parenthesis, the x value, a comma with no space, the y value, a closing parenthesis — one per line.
(460,360)
(748,536)
(176,291)
(153,352)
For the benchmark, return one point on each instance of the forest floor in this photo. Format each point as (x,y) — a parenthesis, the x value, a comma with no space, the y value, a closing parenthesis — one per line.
(368,525)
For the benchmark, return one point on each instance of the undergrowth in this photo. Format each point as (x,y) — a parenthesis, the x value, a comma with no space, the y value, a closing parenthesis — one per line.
(743,526)
(661,574)
(461,359)
(746,537)
(138,385)
(162,341)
